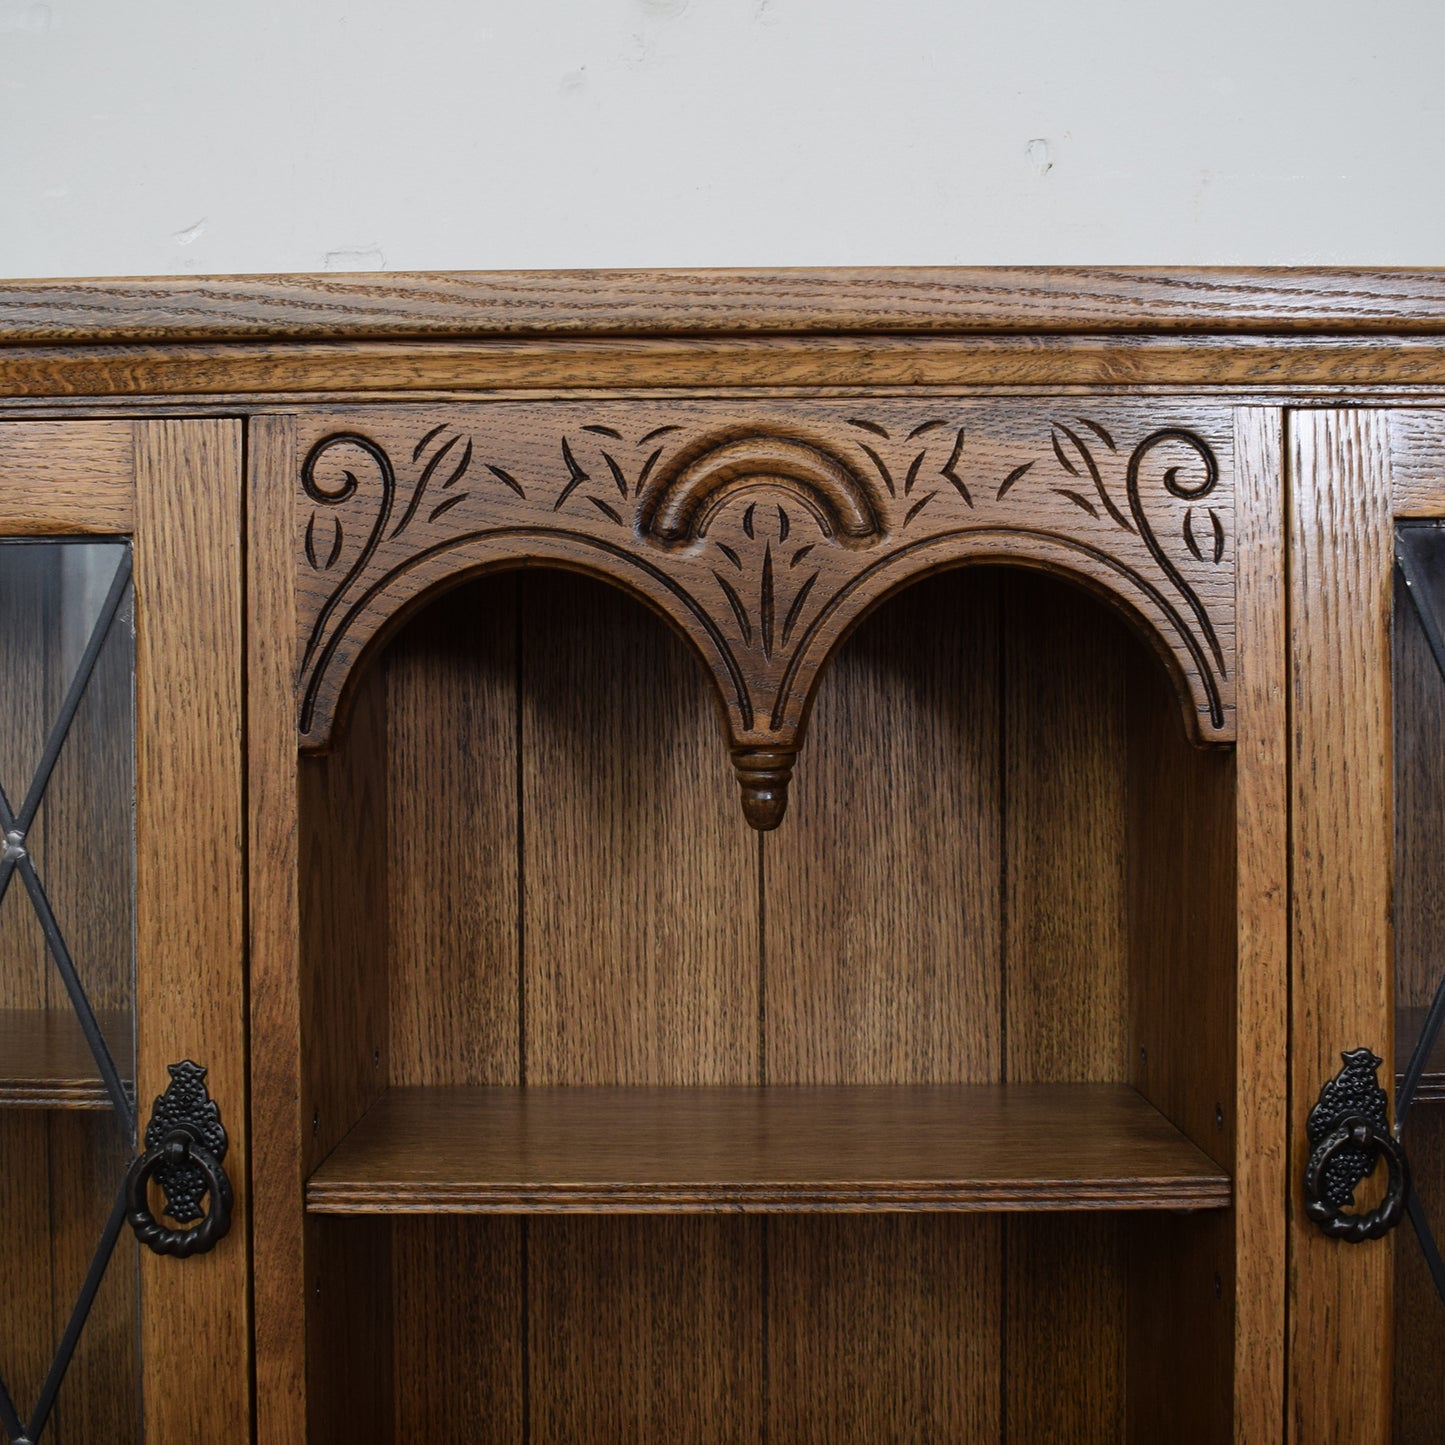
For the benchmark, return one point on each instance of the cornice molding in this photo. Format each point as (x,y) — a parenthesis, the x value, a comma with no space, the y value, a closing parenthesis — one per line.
(892,301)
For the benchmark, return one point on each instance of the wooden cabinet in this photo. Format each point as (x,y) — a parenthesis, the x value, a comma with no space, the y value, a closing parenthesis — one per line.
(121,915)
(808,842)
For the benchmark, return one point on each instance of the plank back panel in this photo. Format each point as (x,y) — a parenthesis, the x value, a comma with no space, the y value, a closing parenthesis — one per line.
(459,1330)
(1066,988)
(1182,888)
(645,1328)
(882,1328)
(454,1002)
(640,966)
(452,865)
(640,903)
(882,965)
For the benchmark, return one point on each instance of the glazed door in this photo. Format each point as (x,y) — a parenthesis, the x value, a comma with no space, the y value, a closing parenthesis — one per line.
(120,934)
(1368,1066)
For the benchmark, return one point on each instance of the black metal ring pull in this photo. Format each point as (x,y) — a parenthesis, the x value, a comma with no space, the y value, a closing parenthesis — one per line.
(1349,1128)
(184,1145)
(178,1149)
(1356,1133)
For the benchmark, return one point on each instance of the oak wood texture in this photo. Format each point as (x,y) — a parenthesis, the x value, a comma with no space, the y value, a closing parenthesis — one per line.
(281,1285)
(881,964)
(452,883)
(45,1062)
(930,698)
(248,375)
(1408,1024)
(882,925)
(344,901)
(72,479)
(64,1169)
(764,535)
(190,925)
(645,1329)
(1419,1322)
(1262,1156)
(1183,1020)
(639,881)
(638,966)
(896,299)
(456,1296)
(1417,475)
(1342,846)
(1066,930)
(892,1347)
(351,1383)
(775,1149)
(1065,1319)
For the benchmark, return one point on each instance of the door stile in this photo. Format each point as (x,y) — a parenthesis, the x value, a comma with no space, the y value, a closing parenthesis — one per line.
(1342,852)
(191,998)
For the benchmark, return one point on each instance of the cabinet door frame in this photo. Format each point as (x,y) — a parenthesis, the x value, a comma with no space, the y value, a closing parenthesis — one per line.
(1354,473)
(174,487)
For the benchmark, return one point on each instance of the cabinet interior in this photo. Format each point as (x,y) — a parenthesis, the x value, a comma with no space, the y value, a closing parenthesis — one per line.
(63,1147)
(523,864)
(1419,737)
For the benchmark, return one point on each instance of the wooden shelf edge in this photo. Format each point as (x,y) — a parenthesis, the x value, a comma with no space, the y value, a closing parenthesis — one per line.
(45,1062)
(1128,1195)
(782,1150)
(48,1094)
(1409,1020)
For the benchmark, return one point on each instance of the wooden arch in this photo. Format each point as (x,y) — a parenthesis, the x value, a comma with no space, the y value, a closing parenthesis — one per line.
(764,532)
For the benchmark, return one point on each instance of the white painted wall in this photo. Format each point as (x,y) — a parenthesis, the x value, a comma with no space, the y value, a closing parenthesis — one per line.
(160,136)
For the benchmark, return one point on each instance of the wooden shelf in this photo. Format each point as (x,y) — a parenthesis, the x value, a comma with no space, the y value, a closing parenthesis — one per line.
(1408,1023)
(45,1062)
(700,1150)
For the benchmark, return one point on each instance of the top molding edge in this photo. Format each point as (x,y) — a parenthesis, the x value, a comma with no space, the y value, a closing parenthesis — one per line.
(925,301)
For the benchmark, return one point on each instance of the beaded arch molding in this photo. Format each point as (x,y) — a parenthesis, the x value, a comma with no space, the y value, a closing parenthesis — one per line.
(764,532)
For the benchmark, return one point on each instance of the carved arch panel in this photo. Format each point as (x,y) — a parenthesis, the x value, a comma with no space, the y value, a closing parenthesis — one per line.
(765,530)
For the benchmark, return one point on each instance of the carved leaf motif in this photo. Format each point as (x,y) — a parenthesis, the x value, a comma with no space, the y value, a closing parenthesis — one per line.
(1070,447)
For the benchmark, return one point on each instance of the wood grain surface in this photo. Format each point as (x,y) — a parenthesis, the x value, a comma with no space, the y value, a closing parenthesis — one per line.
(881,930)
(764,534)
(248,375)
(281,1287)
(451,883)
(888,1348)
(457,1297)
(46,1063)
(1262,1156)
(1066,933)
(645,1329)
(922,684)
(190,923)
(892,299)
(781,1148)
(1341,536)
(1418,1386)
(880,939)
(639,879)
(73,479)
(1417,461)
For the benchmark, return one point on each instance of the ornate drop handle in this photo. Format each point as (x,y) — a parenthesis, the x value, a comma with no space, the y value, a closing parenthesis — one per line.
(1349,1130)
(185,1143)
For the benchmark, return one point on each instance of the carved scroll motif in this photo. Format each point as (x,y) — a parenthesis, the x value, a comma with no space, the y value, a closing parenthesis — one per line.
(764,536)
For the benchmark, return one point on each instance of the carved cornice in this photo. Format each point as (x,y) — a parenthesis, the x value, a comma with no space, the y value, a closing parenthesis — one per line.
(765,531)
